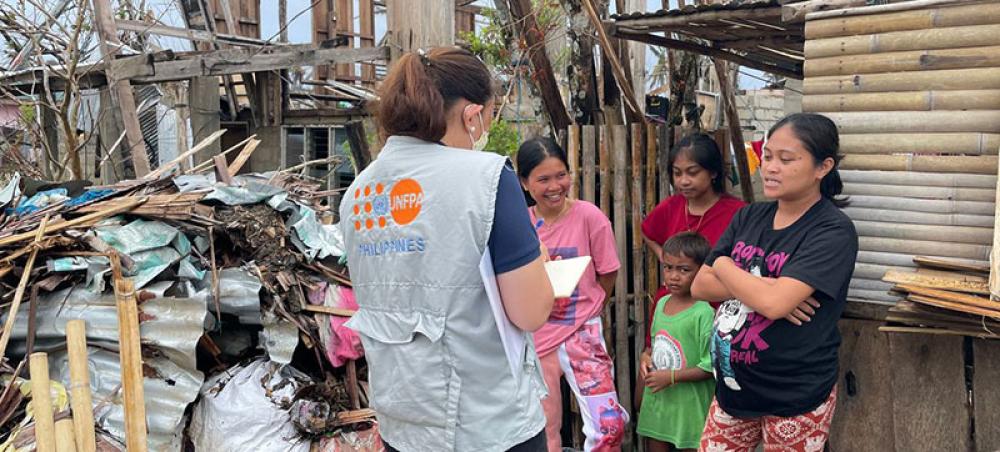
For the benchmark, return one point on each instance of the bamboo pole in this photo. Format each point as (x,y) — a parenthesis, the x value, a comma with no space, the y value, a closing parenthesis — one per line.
(589,164)
(920,143)
(941,80)
(930,248)
(936,163)
(899,216)
(619,151)
(920,179)
(898,41)
(65,439)
(796,12)
(41,403)
(604,160)
(943,234)
(921,60)
(905,101)
(15,305)
(978,14)
(916,122)
(573,151)
(79,376)
(898,259)
(869,284)
(903,191)
(652,264)
(940,206)
(638,257)
(872,271)
(130,357)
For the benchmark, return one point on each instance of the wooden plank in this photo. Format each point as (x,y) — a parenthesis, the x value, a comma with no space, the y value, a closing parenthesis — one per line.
(619,152)
(920,60)
(995,254)
(122,97)
(344,25)
(952,306)
(928,391)
(946,79)
(573,153)
(130,357)
(905,101)
(980,164)
(947,264)
(970,14)
(668,22)
(863,419)
(604,160)
(242,158)
(589,164)
(929,39)
(985,397)
(947,295)
(238,61)
(956,283)
(329,310)
(640,307)
(787,66)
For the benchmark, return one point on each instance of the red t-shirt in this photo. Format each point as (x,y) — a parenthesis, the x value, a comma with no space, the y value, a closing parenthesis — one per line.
(671,217)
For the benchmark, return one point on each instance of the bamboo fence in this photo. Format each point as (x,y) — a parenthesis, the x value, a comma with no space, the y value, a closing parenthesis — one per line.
(915,92)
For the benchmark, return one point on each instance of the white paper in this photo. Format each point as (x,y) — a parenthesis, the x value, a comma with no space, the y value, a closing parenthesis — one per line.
(565,274)
(512,337)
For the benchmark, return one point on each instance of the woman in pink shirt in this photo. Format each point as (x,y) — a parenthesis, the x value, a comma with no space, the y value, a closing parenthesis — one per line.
(571,343)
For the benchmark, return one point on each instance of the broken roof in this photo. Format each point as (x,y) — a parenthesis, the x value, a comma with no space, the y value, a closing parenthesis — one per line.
(750,33)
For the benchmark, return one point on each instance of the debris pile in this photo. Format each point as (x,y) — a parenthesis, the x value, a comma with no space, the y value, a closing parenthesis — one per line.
(944,297)
(240,295)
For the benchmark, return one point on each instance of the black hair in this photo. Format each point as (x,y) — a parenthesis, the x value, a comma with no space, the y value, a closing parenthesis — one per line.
(819,136)
(701,149)
(532,153)
(690,244)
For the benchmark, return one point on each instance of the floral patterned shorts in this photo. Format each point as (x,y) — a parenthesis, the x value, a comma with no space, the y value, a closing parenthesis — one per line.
(804,433)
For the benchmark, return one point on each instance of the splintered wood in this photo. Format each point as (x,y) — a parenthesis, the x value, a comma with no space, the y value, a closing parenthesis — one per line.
(943,297)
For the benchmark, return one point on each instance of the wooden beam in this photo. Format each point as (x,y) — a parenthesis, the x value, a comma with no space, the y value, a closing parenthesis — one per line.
(121,93)
(788,70)
(728,97)
(237,61)
(523,15)
(666,22)
(188,33)
(611,55)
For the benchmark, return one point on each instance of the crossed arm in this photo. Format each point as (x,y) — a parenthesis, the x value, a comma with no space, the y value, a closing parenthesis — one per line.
(773,298)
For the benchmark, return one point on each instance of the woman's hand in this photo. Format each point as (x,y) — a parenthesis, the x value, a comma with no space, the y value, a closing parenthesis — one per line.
(544,250)
(658,380)
(803,312)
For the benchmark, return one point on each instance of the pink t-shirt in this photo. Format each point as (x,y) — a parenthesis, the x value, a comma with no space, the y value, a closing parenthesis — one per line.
(584,231)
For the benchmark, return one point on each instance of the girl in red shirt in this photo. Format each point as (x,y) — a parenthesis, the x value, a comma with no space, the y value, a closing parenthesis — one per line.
(700,204)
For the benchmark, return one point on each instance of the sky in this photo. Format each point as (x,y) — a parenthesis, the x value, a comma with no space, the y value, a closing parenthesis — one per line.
(300,29)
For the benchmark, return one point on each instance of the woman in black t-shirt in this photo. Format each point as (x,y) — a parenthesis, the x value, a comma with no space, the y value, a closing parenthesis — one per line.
(775,356)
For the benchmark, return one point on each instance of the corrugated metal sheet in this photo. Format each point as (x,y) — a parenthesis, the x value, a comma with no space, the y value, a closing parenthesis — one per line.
(694,9)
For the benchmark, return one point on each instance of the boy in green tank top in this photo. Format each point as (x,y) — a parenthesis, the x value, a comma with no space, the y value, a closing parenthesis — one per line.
(676,371)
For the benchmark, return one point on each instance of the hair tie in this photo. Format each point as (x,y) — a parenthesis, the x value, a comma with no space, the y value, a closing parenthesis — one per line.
(423,57)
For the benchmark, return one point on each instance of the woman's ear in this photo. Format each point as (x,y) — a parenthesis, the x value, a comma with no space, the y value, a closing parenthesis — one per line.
(824,168)
(470,116)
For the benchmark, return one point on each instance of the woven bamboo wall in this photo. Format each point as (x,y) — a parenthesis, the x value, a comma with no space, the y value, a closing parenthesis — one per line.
(916,95)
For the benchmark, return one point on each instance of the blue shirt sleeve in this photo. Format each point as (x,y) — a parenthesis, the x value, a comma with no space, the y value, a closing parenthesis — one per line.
(513,241)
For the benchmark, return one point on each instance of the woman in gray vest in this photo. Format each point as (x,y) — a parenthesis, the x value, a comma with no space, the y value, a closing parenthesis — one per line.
(417,223)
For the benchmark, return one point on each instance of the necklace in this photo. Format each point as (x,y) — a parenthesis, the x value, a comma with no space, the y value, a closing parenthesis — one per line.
(687,219)
(562,212)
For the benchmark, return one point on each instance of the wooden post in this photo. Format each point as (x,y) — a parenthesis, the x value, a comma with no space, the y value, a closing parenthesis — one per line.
(79,388)
(604,160)
(41,403)
(638,247)
(130,357)
(589,164)
(573,151)
(650,201)
(727,87)
(995,253)
(203,101)
(123,98)
(65,439)
(283,20)
(409,31)
(358,141)
(619,150)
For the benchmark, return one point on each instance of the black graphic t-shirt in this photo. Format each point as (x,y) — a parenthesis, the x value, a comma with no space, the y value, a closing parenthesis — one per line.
(772,367)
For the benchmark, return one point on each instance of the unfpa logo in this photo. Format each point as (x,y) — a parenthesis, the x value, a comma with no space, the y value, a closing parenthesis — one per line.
(373,206)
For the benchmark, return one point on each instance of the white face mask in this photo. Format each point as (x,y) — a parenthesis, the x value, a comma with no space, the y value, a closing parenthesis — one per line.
(480,144)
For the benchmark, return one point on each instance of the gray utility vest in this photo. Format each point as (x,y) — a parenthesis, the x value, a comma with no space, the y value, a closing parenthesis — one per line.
(416,224)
